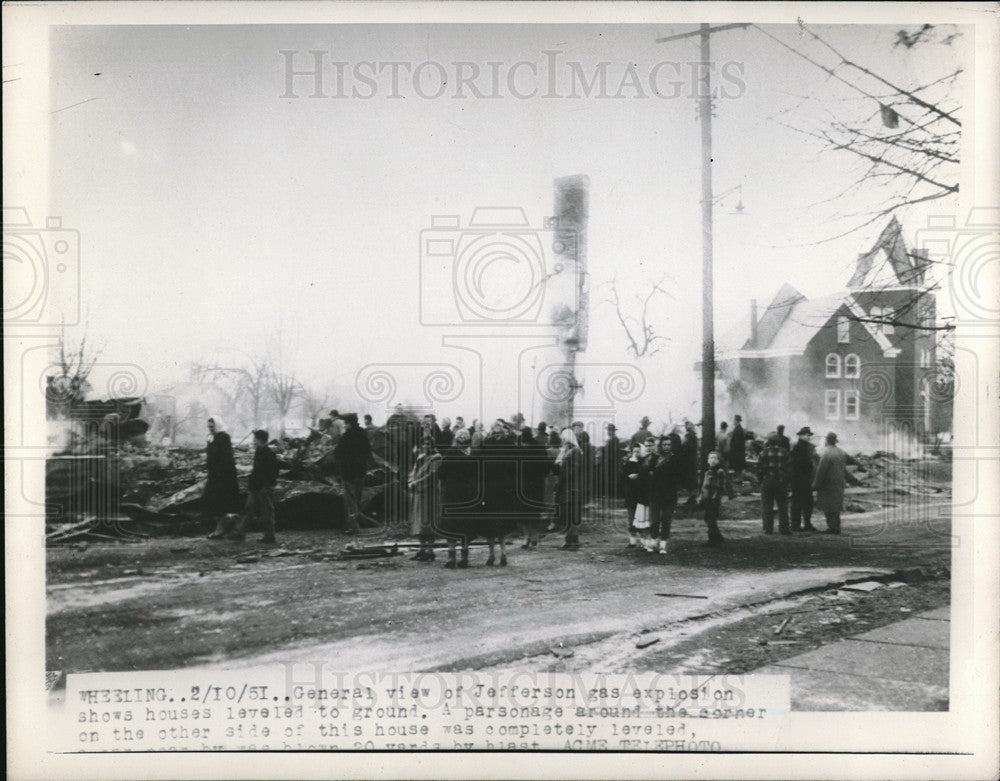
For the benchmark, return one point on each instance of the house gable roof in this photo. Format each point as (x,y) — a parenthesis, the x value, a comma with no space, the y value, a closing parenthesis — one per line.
(889,263)
(770,323)
(800,320)
(739,337)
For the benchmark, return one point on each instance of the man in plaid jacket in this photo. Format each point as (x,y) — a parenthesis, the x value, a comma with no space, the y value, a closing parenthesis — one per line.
(773,471)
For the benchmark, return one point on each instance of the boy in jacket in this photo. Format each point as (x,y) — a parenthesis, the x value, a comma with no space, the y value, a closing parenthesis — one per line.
(263,478)
(714,485)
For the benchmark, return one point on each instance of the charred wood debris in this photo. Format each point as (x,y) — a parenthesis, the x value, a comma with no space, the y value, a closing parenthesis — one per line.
(112,485)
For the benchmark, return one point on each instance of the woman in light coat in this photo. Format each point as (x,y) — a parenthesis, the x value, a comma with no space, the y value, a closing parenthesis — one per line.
(424,484)
(568,467)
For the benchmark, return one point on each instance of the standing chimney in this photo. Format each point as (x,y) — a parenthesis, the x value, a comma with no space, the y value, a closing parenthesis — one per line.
(753,322)
(572,206)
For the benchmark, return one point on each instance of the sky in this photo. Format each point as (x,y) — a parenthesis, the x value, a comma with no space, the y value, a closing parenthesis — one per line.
(222,214)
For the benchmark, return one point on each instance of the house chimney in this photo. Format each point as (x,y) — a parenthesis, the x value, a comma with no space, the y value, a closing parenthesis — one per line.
(753,322)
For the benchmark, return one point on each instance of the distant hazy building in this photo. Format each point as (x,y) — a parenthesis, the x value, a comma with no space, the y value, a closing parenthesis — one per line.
(858,362)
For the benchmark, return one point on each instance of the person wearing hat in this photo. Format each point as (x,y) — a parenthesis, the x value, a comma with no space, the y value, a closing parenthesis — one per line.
(589,458)
(772,469)
(689,462)
(802,466)
(722,444)
(639,437)
(831,476)
(738,448)
(610,457)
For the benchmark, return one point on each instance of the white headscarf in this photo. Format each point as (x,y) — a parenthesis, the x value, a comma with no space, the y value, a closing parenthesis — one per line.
(219,426)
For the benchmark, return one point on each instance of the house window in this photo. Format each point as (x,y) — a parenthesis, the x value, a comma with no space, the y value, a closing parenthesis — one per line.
(843,330)
(927,315)
(833,404)
(852,367)
(833,366)
(851,405)
(925,358)
(883,313)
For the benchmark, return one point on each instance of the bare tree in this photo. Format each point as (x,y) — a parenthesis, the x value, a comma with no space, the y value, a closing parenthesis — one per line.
(69,385)
(640,333)
(281,386)
(247,385)
(314,404)
(282,389)
(907,137)
(253,388)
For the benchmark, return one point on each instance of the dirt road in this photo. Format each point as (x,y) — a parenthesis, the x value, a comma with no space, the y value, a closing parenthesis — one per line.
(191,602)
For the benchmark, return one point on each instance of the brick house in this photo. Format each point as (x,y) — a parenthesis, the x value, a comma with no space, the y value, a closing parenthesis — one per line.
(836,362)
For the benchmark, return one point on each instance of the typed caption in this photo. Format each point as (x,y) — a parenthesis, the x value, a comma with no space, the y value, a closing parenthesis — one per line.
(304,708)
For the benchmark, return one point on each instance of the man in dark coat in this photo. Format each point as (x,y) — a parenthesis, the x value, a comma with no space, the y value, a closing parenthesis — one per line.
(533,464)
(446,435)
(402,433)
(610,458)
(499,460)
(222,490)
(689,460)
(352,456)
(772,469)
(462,496)
(831,476)
(802,467)
(640,436)
(583,441)
(738,447)
(782,439)
(263,478)
(664,481)
(568,468)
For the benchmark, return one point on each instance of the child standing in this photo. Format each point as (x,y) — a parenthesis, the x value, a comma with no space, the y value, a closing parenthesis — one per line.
(714,485)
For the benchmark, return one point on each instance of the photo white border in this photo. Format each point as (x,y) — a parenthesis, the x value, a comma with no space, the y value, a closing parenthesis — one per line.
(971,724)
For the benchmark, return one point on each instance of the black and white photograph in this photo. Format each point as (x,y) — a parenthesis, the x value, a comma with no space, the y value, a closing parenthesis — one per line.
(502,389)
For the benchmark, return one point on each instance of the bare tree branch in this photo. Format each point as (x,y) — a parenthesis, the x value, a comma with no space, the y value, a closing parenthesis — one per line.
(643,341)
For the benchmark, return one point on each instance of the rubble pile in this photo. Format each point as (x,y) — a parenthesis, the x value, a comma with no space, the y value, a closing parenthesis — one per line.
(93,529)
(136,491)
(892,474)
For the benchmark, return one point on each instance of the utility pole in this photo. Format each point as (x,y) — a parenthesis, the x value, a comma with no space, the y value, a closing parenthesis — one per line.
(705,32)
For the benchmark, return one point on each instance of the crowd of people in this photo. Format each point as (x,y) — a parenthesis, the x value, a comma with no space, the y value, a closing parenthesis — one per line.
(460,483)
